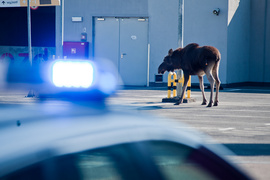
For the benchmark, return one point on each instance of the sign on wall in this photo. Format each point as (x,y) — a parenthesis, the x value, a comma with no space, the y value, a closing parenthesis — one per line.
(23,3)
(19,54)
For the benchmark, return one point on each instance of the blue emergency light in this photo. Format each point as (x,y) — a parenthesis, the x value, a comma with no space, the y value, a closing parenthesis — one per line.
(77,74)
(73,79)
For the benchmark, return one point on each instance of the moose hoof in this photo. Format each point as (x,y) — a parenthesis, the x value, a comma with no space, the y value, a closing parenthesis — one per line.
(177,103)
(209,105)
(216,104)
(204,103)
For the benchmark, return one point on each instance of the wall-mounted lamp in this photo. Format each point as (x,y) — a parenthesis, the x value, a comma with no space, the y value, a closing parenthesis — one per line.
(216,11)
(77,19)
(141,19)
(101,19)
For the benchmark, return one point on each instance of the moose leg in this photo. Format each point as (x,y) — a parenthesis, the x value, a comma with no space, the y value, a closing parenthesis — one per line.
(217,81)
(186,78)
(202,89)
(212,83)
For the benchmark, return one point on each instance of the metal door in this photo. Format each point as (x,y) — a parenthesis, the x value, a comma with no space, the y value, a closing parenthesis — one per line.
(126,39)
(106,39)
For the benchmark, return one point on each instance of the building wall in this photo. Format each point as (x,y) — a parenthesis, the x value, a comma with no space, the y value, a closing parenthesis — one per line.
(241,31)
(163,32)
(163,22)
(260,41)
(267,43)
(89,8)
(238,41)
(203,27)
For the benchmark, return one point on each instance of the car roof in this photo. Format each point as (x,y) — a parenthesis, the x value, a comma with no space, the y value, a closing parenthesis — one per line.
(34,132)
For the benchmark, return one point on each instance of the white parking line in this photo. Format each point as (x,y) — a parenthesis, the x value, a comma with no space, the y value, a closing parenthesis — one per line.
(232,90)
(251,162)
(226,129)
(231,116)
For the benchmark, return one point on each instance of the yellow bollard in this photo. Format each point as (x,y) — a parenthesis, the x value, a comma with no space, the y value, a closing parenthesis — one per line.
(189,88)
(181,80)
(172,81)
(174,84)
(169,85)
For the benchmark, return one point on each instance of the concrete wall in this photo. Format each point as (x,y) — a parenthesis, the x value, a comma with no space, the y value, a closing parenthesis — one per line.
(241,31)
(203,27)
(238,41)
(260,41)
(163,22)
(267,43)
(89,8)
(163,31)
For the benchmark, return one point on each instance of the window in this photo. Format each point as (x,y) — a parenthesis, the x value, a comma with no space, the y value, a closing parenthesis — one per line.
(97,165)
(138,160)
(173,161)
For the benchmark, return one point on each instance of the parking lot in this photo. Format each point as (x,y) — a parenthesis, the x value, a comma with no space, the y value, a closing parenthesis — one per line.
(241,121)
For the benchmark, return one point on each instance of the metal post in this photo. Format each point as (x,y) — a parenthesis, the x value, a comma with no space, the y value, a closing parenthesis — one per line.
(148,65)
(31,92)
(59,30)
(180,42)
(29,32)
(63,23)
(181,24)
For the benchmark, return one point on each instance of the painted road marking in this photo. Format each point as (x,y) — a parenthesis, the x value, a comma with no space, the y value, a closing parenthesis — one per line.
(230,116)
(226,129)
(251,162)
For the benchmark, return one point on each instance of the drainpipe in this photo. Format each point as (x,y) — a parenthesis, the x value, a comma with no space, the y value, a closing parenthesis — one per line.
(181,23)
(29,32)
(179,73)
(59,23)
(31,92)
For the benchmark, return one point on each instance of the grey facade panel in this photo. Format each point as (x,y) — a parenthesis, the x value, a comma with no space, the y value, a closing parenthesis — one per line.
(260,42)
(162,14)
(238,41)
(91,8)
(203,27)
(163,31)
(241,31)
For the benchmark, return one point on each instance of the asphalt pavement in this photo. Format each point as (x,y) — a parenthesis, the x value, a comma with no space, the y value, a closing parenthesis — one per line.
(241,122)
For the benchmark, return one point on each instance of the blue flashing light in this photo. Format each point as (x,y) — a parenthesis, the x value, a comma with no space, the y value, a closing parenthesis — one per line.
(73,74)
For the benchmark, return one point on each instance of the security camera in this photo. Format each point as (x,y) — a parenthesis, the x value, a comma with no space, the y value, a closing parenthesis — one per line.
(216,11)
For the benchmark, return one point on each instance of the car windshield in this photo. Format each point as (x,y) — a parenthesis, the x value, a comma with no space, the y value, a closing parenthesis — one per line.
(142,160)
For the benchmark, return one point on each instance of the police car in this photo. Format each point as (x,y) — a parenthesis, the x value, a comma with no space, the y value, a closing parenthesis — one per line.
(70,133)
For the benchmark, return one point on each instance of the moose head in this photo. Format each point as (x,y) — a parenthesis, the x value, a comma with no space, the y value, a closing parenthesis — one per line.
(170,62)
(167,64)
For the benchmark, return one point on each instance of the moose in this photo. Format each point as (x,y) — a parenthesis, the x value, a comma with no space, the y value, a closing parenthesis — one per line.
(195,60)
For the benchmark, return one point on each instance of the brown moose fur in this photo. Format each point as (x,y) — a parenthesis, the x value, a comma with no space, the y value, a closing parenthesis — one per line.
(195,60)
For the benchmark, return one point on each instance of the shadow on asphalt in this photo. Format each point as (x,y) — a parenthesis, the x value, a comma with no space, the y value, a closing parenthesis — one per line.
(161,107)
(242,89)
(249,149)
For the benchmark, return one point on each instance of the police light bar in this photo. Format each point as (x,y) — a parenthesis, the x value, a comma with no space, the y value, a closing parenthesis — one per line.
(72,74)
(73,79)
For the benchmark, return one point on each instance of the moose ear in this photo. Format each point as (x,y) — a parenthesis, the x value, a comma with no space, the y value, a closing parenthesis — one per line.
(170,52)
